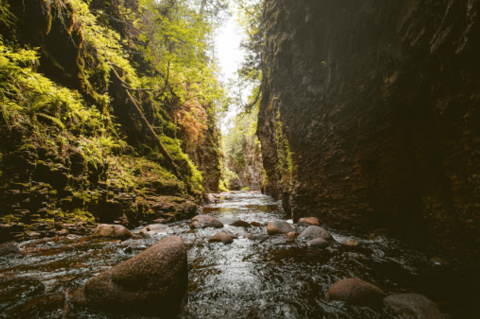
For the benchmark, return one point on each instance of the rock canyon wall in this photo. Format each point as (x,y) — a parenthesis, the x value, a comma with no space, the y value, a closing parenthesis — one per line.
(370,115)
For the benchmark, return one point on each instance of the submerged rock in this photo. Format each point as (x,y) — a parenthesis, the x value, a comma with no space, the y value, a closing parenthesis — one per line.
(319,243)
(279,227)
(233,222)
(112,231)
(13,290)
(355,291)
(258,237)
(316,232)
(155,229)
(413,306)
(221,237)
(153,282)
(307,221)
(204,221)
(9,249)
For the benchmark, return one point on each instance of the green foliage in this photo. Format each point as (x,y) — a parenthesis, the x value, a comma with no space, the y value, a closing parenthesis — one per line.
(284,169)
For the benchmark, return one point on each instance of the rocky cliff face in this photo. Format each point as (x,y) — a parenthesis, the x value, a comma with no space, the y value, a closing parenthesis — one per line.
(375,108)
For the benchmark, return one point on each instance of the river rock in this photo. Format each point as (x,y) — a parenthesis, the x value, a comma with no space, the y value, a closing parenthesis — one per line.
(10,249)
(112,231)
(258,237)
(233,222)
(221,237)
(355,291)
(292,234)
(155,229)
(316,232)
(154,283)
(319,243)
(413,306)
(307,221)
(204,221)
(278,227)
(257,224)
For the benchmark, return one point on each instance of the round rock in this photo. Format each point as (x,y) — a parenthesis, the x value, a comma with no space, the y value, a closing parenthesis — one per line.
(112,231)
(233,222)
(355,291)
(413,306)
(204,221)
(316,232)
(155,229)
(307,221)
(152,283)
(279,228)
(221,237)
(319,243)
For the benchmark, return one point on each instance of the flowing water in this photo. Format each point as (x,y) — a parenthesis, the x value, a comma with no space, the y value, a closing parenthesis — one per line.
(277,278)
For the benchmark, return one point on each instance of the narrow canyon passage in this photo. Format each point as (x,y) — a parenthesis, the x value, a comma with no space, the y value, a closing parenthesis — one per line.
(274,277)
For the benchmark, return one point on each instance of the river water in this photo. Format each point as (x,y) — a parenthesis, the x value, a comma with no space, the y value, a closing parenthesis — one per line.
(277,278)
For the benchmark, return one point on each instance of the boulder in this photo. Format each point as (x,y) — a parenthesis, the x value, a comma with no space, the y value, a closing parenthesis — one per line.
(9,249)
(355,291)
(204,221)
(112,231)
(221,237)
(316,232)
(233,222)
(413,306)
(319,243)
(155,229)
(279,227)
(307,221)
(152,283)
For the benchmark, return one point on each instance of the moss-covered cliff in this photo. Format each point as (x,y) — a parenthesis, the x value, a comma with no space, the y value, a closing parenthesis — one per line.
(377,103)
(87,132)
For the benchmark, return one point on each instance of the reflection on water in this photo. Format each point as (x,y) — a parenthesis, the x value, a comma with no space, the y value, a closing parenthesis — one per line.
(277,278)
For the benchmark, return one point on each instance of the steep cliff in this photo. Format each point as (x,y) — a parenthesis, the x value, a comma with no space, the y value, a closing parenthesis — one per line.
(376,106)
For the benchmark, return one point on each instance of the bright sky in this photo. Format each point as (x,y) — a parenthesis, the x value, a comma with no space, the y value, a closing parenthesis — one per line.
(229,55)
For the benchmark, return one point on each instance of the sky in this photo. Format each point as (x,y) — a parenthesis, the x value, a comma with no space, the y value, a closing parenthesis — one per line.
(230,56)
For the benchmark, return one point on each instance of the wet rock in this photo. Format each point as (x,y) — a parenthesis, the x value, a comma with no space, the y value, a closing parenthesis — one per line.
(233,222)
(279,227)
(378,233)
(63,232)
(319,243)
(413,306)
(307,221)
(440,262)
(355,291)
(32,308)
(278,241)
(316,232)
(153,282)
(256,224)
(292,234)
(204,221)
(112,231)
(221,237)
(9,249)
(14,290)
(155,229)
(256,237)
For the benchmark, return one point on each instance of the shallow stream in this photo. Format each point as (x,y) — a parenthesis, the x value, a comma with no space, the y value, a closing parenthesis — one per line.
(277,278)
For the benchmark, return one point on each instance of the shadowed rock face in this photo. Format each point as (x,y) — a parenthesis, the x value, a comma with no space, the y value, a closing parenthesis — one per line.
(153,282)
(378,101)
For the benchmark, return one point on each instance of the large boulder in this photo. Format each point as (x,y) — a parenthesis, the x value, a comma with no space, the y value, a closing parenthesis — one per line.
(316,232)
(355,291)
(233,222)
(9,249)
(112,231)
(413,306)
(307,221)
(278,228)
(221,237)
(154,282)
(204,221)
(155,229)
